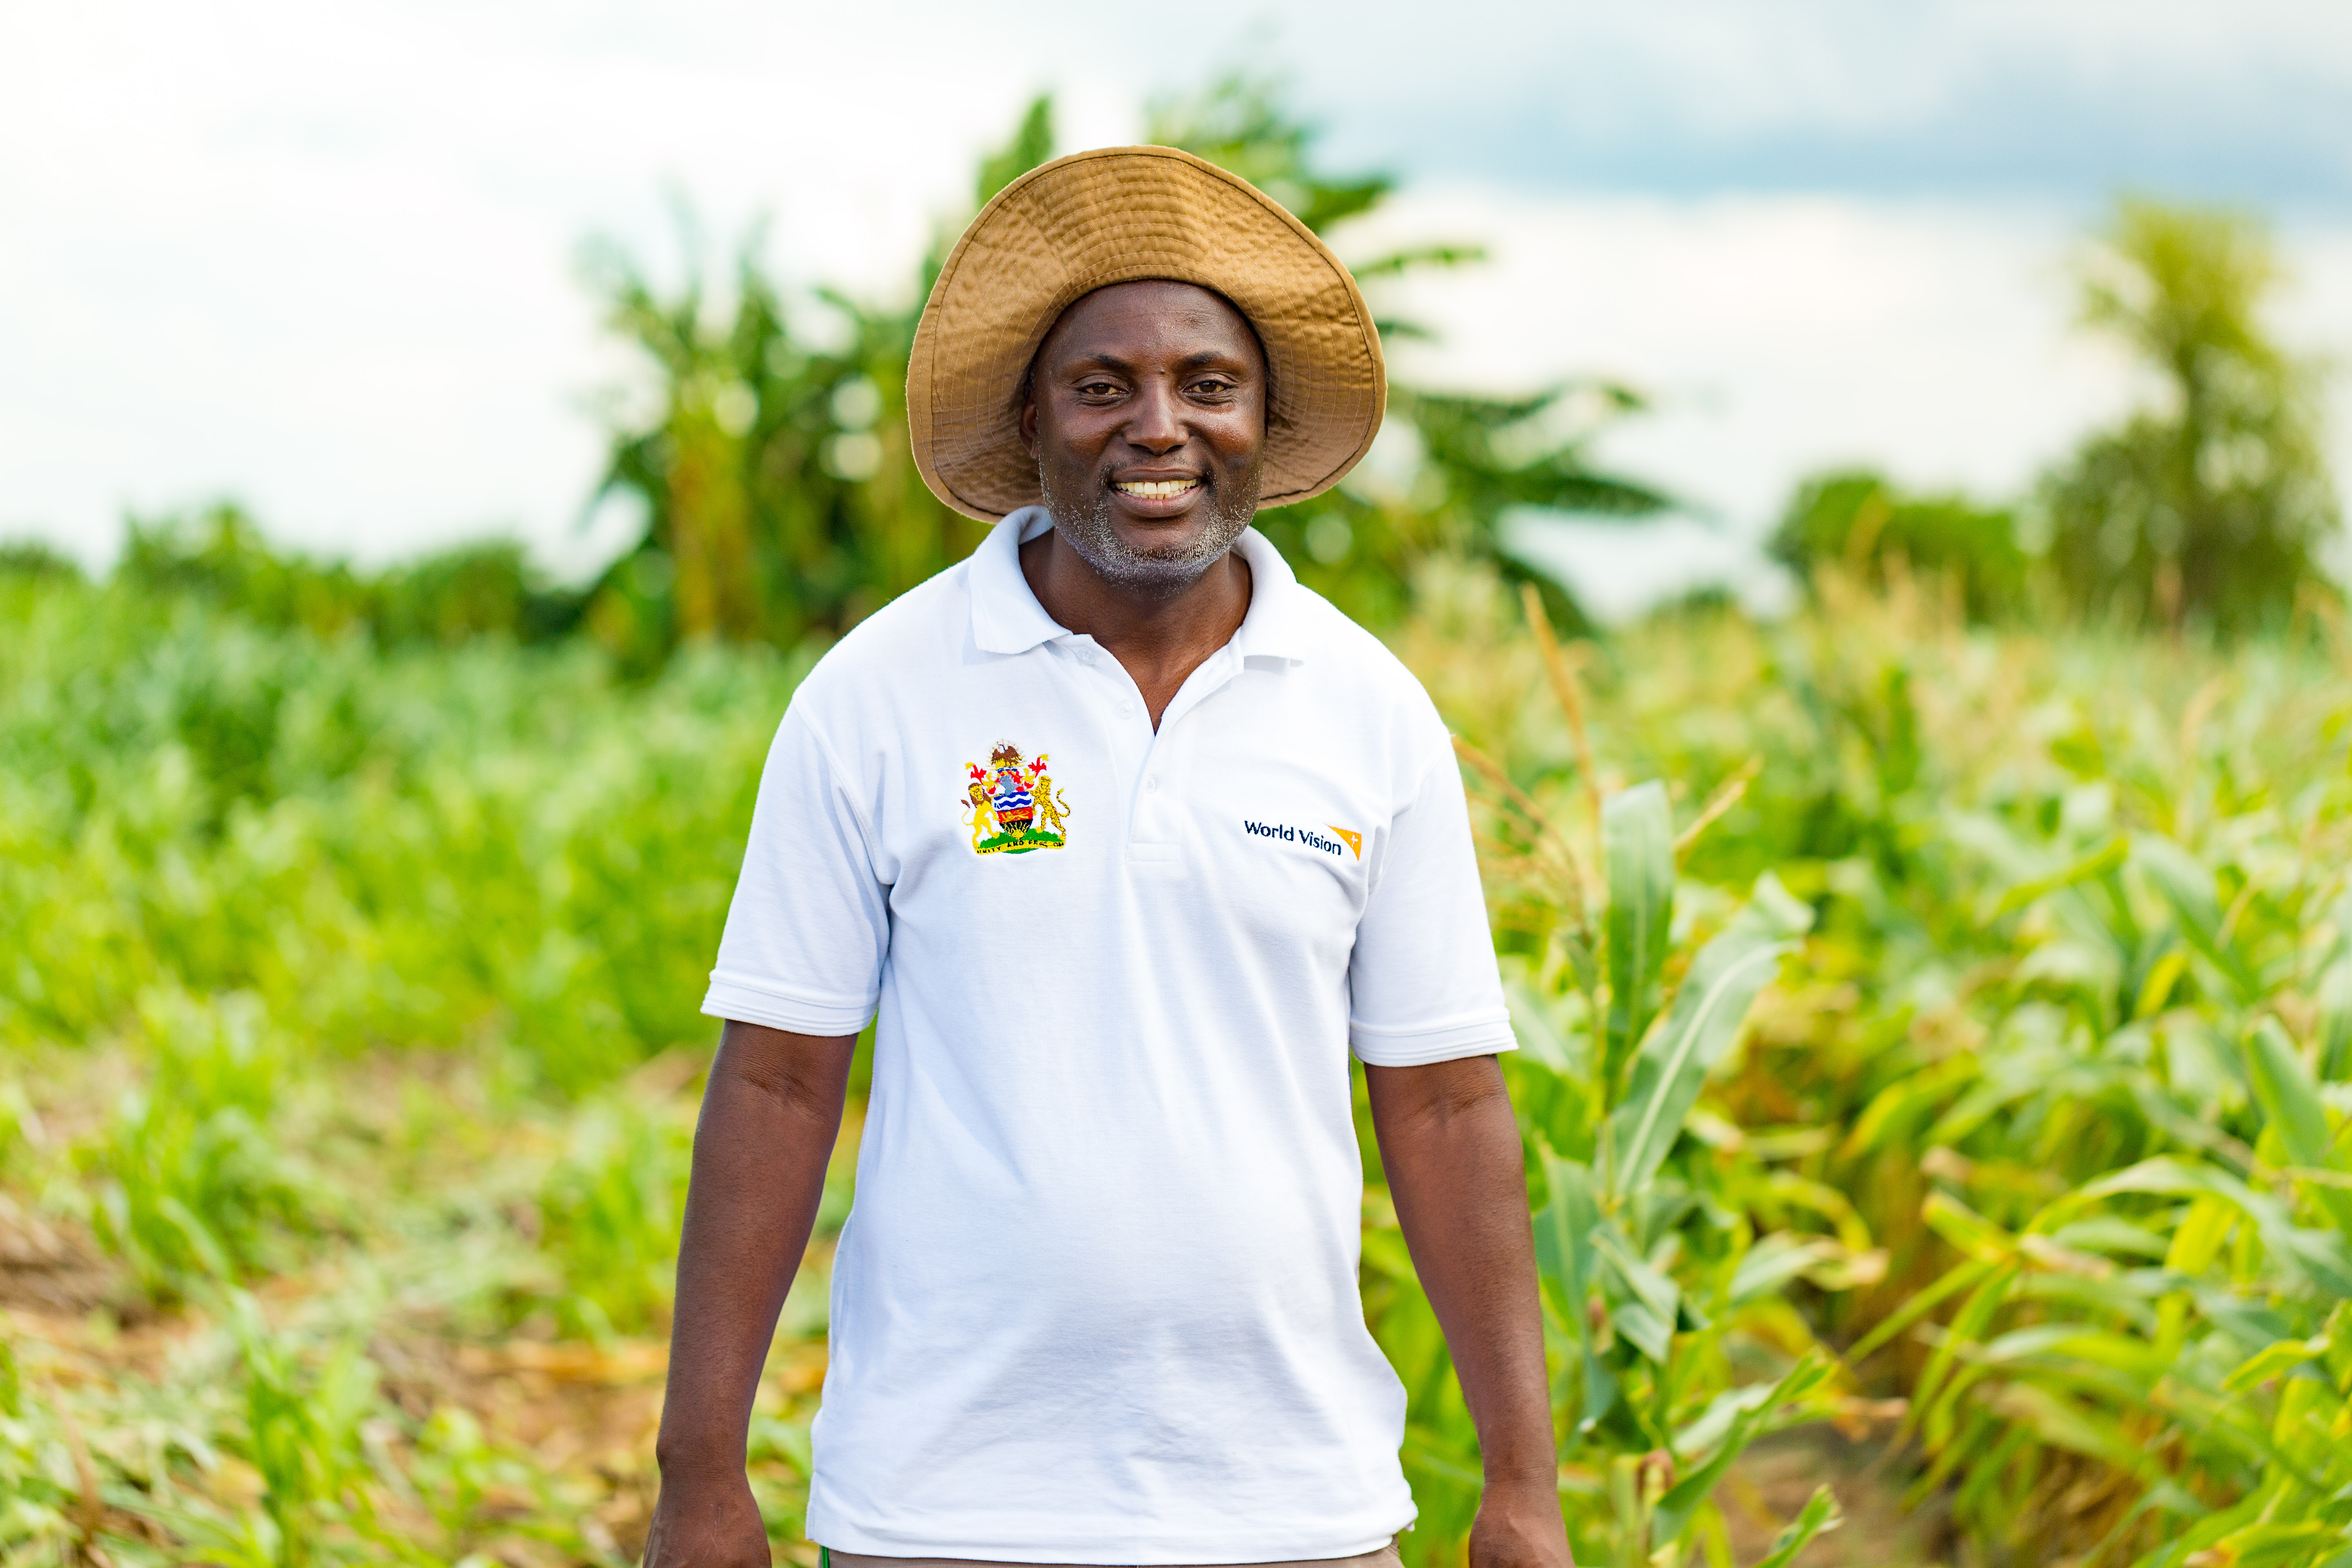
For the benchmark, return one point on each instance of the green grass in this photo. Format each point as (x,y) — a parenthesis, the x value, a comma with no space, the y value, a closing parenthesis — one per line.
(349,1000)
(1019,843)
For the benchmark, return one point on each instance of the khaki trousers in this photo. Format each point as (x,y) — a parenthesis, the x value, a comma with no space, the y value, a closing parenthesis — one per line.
(1385,1557)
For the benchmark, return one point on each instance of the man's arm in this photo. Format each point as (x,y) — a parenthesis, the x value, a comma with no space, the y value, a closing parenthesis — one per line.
(1451,1147)
(769,1120)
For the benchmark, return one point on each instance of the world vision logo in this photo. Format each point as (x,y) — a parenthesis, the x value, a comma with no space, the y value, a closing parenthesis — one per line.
(1353,841)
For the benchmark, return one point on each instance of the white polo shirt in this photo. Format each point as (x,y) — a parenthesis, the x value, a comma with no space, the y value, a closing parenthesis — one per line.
(1097,1300)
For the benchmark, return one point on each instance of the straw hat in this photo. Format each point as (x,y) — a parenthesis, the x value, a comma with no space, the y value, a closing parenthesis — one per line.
(1115,216)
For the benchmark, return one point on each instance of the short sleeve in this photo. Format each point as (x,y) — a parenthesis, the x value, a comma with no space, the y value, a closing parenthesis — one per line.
(809,924)
(1423,983)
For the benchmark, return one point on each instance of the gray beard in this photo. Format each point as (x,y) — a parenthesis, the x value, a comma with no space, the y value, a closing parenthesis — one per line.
(1089,529)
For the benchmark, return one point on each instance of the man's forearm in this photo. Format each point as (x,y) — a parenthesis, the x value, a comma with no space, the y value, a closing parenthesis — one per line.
(1451,1147)
(768,1120)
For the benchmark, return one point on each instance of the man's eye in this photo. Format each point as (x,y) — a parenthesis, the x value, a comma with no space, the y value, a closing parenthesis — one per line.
(1097,389)
(1212,387)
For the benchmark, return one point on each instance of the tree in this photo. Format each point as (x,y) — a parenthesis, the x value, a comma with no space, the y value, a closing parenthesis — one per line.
(2211,503)
(1859,519)
(779,496)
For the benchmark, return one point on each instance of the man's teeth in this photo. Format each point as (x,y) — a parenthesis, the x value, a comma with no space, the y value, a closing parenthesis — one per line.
(1154,490)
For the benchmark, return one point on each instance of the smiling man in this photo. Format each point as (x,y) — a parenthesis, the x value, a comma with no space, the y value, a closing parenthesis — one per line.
(1126,842)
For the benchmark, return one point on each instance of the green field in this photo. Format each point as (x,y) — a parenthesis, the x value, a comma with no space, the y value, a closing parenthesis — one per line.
(1948,1057)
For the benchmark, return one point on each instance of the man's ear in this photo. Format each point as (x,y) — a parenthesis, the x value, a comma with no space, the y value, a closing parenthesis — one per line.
(1029,420)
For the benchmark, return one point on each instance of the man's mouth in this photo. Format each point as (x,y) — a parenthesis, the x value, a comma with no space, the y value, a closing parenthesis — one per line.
(1156,489)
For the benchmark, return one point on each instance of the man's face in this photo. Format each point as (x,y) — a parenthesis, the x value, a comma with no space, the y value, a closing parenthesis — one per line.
(1146,416)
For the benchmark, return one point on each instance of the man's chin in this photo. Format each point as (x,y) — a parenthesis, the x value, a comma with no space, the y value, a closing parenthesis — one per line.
(1149,554)
(1166,568)
(1170,539)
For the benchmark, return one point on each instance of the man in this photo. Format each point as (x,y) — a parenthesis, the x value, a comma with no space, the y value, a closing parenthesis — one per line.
(1097,1301)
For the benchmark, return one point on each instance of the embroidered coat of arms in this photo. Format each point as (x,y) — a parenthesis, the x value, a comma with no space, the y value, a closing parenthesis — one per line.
(1011,805)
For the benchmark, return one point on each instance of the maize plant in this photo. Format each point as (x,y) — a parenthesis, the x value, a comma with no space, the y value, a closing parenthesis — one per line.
(1673,1346)
(2145,1174)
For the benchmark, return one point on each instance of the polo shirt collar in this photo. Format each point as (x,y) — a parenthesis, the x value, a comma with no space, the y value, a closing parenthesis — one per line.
(1006,617)
(1273,627)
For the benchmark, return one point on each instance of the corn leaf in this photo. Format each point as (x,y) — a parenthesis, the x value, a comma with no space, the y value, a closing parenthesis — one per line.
(2323,1256)
(1564,1230)
(1569,1271)
(2097,863)
(2186,886)
(1819,1515)
(1970,1325)
(1531,1024)
(2289,1101)
(2064,1424)
(2289,1097)
(2282,1545)
(2336,1021)
(2272,1361)
(1960,1277)
(1637,838)
(1708,1008)
(1675,1510)
(1777,1259)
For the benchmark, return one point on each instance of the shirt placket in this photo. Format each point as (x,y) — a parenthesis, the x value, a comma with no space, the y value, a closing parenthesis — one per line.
(1125,724)
(1162,797)
(1149,763)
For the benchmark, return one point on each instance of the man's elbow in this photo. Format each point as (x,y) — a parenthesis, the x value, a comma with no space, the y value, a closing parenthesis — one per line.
(1438,1097)
(805,1076)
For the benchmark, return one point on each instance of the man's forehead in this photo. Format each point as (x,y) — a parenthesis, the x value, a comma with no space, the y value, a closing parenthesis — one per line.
(1148,303)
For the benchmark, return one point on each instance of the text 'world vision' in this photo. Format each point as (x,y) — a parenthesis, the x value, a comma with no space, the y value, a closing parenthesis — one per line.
(1287,834)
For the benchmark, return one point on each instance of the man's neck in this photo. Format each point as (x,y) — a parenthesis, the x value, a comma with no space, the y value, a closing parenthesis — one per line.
(1159,639)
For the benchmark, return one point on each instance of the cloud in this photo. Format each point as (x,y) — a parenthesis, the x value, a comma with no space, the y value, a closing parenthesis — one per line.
(1690,96)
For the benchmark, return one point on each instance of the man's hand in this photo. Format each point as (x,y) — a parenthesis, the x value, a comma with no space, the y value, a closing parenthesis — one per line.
(768,1120)
(711,1524)
(1451,1147)
(1518,1526)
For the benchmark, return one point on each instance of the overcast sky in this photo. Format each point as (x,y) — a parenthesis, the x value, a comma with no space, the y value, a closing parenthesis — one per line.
(323,258)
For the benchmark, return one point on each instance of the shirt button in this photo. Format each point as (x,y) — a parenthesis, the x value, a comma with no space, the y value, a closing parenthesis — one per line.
(1151,783)
(1125,709)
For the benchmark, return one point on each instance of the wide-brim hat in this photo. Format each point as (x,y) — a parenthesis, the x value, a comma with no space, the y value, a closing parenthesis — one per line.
(1118,214)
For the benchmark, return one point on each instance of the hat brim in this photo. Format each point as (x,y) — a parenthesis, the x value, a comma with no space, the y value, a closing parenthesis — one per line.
(1119,215)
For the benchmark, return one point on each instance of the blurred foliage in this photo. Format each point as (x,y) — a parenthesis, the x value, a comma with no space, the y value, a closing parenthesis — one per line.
(1856,520)
(30,558)
(1662,1265)
(610,1209)
(192,1179)
(781,500)
(220,554)
(2069,1041)
(412,845)
(780,495)
(2212,504)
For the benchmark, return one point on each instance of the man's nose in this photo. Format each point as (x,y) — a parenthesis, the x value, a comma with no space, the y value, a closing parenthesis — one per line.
(1153,423)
